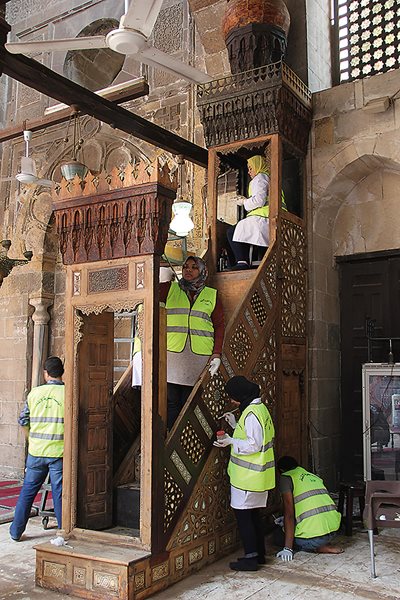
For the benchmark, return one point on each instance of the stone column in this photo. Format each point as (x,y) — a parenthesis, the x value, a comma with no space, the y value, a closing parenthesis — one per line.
(40,320)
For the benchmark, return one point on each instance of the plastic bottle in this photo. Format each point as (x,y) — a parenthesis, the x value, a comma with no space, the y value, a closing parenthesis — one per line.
(223,260)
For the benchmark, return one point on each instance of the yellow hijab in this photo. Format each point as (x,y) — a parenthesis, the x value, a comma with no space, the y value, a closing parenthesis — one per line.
(259,164)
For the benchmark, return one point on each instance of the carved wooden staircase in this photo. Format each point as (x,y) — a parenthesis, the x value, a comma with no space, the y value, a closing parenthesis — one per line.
(190,517)
(265,340)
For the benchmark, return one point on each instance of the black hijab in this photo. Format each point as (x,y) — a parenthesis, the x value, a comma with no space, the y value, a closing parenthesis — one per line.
(242,390)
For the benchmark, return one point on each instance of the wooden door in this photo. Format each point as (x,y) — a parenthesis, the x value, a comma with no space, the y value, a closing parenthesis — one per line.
(370,288)
(290,430)
(95,364)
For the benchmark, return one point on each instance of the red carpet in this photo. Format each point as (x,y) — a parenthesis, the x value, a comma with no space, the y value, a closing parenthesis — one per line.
(9,493)
(8,483)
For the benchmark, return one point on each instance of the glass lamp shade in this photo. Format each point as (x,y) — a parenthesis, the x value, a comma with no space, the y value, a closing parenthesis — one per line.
(181,224)
(73,167)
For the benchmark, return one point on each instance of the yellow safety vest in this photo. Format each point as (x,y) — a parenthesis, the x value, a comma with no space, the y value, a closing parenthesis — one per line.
(46,420)
(254,472)
(195,320)
(315,511)
(263,211)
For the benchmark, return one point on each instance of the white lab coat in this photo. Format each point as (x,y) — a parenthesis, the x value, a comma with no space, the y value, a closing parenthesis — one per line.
(254,230)
(240,499)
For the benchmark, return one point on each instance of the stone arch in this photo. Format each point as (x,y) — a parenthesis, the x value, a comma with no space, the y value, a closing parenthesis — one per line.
(352,196)
(94,69)
(353,191)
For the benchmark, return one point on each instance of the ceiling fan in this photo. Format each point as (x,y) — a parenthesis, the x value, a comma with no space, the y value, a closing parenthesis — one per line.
(27,172)
(131,37)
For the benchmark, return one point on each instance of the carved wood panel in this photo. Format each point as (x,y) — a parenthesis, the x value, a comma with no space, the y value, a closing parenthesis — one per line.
(95,363)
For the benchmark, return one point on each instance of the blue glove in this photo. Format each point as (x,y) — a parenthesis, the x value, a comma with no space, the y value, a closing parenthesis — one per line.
(286,554)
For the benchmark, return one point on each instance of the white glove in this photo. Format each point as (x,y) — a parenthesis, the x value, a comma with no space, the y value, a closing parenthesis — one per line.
(214,366)
(286,554)
(226,441)
(240,200)
(230,419)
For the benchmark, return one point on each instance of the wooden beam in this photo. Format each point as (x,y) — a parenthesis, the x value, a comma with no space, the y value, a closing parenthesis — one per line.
(63,112)
(44,80)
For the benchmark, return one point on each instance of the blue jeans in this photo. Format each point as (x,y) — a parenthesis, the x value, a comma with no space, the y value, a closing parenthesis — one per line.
(37,468)
(312,544)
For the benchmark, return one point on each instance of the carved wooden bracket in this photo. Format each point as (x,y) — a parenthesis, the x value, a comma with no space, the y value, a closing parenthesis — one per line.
(126,213)
(269,99)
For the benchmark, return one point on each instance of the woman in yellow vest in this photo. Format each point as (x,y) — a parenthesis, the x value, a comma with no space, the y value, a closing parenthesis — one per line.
(310,516)
(195,332)
(251,467)
(254,229)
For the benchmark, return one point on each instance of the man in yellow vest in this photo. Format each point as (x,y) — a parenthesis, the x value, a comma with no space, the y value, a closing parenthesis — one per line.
(43,418)
(310,516)
(251,467)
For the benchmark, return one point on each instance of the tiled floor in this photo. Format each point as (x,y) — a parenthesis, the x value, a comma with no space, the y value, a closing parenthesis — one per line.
(308,577)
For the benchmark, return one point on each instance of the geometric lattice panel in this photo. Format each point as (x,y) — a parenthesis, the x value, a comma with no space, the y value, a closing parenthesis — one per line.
(209,508)
(368,33)
(293,310)
(173,496)
(240,346)
(294,280)
(293,244)
(191,444)
(264,372)
(214,396)
(258,308)
(270,273)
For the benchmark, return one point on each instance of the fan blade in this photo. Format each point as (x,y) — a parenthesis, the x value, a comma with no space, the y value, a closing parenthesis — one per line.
(45,182)
(79,43)
(161,60)
(28,166)
(141,15)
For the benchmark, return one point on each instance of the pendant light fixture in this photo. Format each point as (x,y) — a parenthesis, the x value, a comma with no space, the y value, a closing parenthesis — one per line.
(181,224)
(72,167)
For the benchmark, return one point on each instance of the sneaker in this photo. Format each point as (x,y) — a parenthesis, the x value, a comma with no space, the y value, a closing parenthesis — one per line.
(246,564)
(15,539)
(260,559)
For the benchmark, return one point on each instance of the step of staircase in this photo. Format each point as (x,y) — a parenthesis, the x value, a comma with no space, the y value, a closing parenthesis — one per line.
(126,511)
(89,569)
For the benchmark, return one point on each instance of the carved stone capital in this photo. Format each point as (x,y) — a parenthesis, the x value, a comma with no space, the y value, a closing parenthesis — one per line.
(41,316)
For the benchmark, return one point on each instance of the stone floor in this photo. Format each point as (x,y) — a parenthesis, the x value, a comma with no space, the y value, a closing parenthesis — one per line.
(309,576)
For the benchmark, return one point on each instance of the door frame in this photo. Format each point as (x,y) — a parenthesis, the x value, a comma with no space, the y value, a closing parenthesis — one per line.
(138,286)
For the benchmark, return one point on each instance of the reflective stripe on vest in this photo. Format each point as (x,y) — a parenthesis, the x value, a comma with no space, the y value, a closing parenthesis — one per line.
(182,319)
(46,421)
(315,512)
(254,472)
(263,211)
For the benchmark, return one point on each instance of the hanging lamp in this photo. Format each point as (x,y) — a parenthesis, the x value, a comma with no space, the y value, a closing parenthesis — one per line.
(72,166)
(182,223)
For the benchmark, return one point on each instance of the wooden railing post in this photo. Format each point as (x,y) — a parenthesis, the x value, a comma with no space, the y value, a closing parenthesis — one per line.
(275,186)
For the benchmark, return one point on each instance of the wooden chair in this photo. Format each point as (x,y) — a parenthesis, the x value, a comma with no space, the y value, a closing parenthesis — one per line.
(382,509)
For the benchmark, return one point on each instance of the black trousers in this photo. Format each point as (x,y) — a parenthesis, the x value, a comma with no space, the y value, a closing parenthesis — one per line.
(251,530)
(240,250)
(176,399)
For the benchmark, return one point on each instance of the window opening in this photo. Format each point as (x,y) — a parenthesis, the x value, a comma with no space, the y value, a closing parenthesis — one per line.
(367,34)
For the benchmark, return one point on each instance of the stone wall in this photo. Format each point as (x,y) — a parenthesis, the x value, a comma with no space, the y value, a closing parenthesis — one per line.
(25,213)
(354,177)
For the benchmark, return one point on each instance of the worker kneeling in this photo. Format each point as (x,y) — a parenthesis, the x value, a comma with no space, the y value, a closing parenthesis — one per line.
(310,517)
